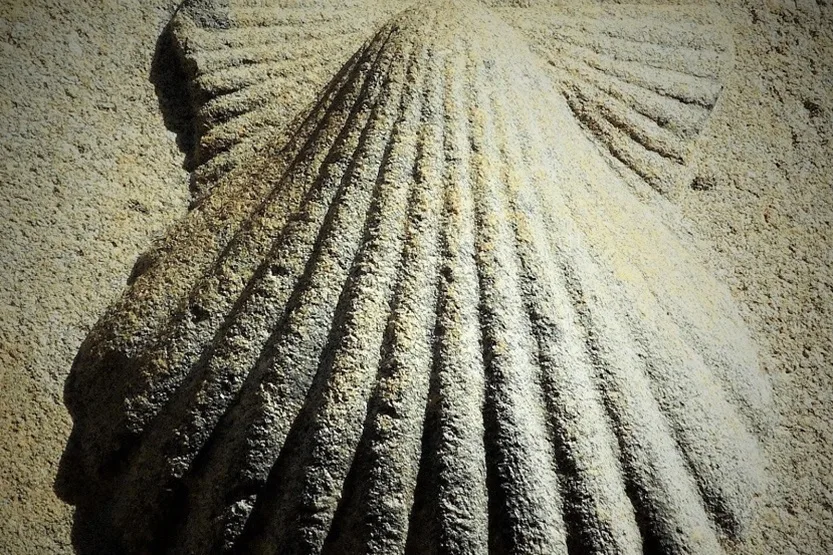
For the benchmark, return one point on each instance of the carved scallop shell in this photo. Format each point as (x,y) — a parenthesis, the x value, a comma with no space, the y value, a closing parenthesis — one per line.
(428,316)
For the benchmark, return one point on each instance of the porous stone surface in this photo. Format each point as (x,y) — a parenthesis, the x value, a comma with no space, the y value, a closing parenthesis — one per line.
(428,315)
(760,194)
(89,175)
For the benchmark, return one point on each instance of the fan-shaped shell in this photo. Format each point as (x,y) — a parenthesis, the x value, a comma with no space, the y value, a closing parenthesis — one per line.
(433,319)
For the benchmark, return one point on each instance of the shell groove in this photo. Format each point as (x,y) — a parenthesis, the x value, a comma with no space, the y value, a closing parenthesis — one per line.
(432,319)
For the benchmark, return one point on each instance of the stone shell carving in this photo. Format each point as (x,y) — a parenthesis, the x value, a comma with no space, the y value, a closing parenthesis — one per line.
(420,311)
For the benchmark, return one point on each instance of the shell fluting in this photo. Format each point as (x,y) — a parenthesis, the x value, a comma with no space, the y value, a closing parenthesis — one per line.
(429,316)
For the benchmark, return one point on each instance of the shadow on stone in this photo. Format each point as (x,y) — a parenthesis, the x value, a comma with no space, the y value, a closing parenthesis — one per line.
(92,533)
(171,84)
(91,495)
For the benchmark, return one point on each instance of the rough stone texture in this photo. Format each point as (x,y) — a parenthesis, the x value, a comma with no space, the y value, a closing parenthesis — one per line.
(88,175)
(762,196)
(430,315)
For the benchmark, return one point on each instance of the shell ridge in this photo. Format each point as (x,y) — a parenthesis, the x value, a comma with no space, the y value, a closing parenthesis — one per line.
(671,515)
(234,161)
(518,423)
(209,317)
(453,431)
(628,58)
(656,530)
(388,454)
(706,61)
(665,293)
(292,520)
(718,470)
(683,120)
(208,33)
(718,459)
(286,332)
(140,291)
(598,485)
(647,163)
(208,62)
(173,436)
